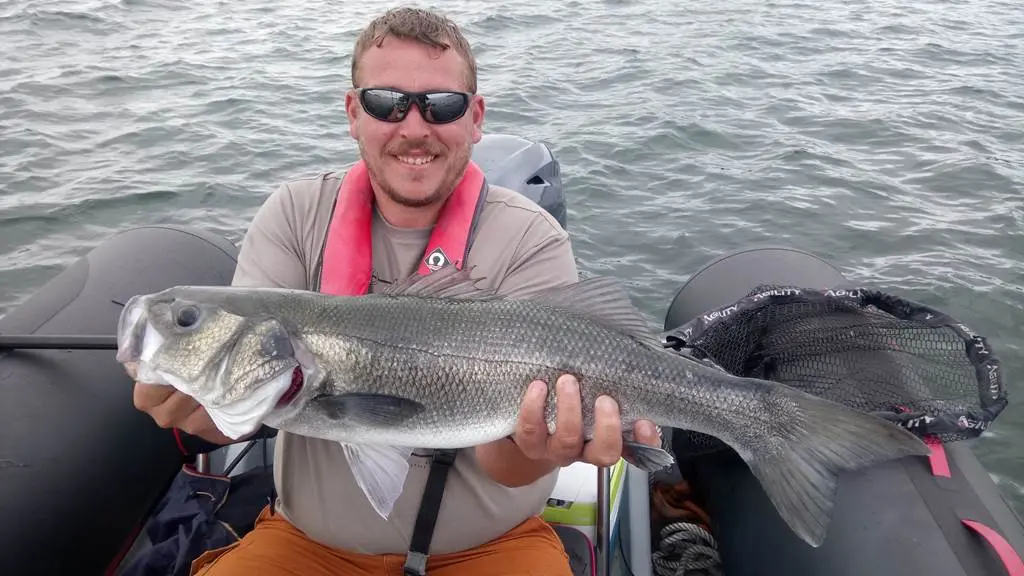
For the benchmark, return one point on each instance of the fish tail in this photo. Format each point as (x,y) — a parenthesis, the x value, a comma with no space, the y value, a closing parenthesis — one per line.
(812,442)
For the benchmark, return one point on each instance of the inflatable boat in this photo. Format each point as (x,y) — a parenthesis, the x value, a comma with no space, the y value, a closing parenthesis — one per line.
(82,471)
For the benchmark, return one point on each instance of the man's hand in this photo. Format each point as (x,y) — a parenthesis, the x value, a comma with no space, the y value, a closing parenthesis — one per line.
(566,445)
(172,409)
(533,453)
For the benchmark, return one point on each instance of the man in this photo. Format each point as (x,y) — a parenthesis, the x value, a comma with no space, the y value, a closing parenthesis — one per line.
(413,202)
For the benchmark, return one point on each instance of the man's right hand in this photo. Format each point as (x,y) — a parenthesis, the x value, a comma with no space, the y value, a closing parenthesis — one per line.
(172,409)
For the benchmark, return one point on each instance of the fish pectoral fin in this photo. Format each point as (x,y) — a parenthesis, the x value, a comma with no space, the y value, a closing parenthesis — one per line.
(369,409)
(644,457)
(380,471)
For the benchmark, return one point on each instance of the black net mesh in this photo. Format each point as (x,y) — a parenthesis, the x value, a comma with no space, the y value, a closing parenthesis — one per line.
(866,349)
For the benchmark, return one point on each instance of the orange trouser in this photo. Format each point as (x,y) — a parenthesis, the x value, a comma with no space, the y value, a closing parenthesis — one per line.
(275,547)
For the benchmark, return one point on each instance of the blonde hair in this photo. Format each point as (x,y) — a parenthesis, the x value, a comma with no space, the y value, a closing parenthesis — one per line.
(417,25)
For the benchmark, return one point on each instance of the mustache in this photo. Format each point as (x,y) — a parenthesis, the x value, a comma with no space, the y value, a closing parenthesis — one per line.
(415,146)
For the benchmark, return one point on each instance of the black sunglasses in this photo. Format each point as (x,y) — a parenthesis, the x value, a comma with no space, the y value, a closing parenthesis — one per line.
(391,105)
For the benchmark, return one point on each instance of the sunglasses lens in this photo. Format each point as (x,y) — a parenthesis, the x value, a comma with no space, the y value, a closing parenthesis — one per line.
(444,107)
(391,105)
(386,105)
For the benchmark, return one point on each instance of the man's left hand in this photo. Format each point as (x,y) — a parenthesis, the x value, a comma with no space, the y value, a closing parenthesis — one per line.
(566,445)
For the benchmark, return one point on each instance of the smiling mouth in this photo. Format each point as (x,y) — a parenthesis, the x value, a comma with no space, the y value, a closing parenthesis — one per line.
(416,160)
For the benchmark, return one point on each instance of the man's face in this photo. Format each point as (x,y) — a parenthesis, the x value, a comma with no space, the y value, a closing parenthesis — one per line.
(414,163)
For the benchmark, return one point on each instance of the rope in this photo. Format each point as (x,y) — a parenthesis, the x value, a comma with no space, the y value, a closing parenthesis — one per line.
(686,546)
(686,549)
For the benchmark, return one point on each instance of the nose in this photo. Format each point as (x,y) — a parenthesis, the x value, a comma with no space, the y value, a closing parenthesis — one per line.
(414,126)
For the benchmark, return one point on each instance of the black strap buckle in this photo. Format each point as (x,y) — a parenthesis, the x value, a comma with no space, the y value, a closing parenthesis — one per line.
(426,518)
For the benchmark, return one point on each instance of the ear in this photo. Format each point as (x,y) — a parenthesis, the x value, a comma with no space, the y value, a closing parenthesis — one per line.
(352,110)
(477,109)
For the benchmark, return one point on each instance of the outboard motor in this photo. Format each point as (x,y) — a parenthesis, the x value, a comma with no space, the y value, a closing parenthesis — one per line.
(524,166)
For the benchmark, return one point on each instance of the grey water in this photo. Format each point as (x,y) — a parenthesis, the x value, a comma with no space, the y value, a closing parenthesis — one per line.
(884,136)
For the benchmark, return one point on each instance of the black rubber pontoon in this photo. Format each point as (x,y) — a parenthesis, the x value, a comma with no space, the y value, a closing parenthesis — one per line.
(894,519)
(80,467)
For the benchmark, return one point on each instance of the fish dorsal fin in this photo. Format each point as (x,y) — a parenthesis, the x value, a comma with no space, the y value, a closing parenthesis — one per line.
(447,282)
(602,299)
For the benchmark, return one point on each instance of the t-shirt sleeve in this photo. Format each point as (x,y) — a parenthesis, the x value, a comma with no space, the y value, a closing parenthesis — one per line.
(271,254)
(543,259)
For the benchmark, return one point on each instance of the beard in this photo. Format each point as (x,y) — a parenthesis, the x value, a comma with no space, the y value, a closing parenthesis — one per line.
(451,177)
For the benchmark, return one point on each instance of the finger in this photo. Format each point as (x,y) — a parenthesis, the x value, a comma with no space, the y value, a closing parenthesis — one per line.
(149,396)
(531,431)
(646,432)
(606,447)
(174,410)
(198,422)
(216,436)
(566,444)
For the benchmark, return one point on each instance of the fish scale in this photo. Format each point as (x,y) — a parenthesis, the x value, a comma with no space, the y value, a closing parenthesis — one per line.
(436,362)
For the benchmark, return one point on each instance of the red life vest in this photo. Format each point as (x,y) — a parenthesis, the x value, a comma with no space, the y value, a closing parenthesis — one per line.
(346,262)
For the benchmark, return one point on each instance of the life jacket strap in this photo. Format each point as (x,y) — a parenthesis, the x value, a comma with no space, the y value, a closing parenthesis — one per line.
(426,518)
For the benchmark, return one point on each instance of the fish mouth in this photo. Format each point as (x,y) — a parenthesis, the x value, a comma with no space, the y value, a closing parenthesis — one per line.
(131,332)
(137,341)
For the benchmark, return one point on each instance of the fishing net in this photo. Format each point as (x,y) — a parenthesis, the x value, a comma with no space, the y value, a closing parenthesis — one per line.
(866,349)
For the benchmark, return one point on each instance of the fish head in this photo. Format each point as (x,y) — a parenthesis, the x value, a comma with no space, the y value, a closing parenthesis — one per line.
(239,366)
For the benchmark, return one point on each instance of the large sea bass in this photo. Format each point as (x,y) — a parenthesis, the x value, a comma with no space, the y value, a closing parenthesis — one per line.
(438,363)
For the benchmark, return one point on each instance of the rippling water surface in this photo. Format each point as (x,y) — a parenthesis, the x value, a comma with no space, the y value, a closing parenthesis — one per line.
(885,136)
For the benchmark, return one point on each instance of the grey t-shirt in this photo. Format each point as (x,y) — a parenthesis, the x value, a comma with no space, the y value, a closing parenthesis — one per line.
(519,248)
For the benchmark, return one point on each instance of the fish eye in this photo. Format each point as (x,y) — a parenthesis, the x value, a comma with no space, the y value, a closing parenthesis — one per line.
(186,316)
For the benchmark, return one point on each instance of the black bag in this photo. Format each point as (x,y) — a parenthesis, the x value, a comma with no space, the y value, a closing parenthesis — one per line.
(196,515)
